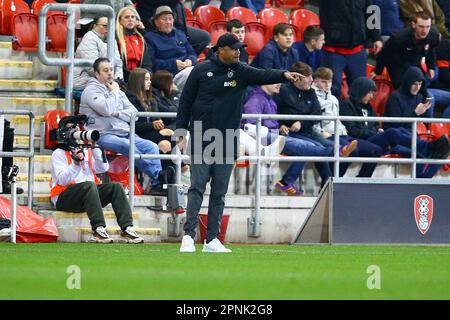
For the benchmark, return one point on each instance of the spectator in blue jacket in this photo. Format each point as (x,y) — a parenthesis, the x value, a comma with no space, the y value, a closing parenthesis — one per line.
(390,17)
(310,49)
(169,47)
(278,53)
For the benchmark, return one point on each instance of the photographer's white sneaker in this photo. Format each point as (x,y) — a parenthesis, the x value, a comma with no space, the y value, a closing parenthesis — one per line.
(187,244)
(215,246)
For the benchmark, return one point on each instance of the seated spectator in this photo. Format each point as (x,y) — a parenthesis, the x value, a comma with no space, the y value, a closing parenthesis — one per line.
(169,48)
(390,17)
(278,52)
(409,8)
(310,49)
(166,94)
(260,101)
(393,140)
(132,46)
(323,79)
(199,39)
(76,188)
(110,112)
(139,92)
(407,47)
(92,47)
(299,98)
(407,101)
(237,28)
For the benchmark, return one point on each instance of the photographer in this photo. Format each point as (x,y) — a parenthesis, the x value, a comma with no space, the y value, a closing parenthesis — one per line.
(76,188)
(7,162)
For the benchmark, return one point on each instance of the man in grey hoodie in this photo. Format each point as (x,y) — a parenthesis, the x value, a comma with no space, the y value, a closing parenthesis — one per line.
(110,112)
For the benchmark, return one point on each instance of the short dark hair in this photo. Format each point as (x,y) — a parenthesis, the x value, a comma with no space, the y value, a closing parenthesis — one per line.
(280,28)
(235,23)
(98,62)
(421,15)
(301,68)
(312,33)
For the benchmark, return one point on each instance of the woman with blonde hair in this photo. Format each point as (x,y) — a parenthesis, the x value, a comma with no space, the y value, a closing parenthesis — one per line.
(132,46)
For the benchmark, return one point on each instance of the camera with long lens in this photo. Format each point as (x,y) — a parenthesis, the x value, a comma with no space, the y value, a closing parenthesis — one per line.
(70,135)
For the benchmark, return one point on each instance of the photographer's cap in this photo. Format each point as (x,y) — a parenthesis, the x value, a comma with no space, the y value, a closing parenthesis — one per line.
(229,40)
(162,10)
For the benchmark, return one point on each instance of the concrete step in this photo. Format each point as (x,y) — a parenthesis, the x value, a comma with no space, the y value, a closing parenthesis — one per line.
(21,142)
(69,234)
(42,164)
(7,52)
(21,124)
(76,220)
(38,105)
(41,182)
(11,69)
(27,85)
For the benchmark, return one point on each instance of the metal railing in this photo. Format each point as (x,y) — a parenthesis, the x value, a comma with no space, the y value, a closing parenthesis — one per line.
(25,154)
(74,12)
(256,217)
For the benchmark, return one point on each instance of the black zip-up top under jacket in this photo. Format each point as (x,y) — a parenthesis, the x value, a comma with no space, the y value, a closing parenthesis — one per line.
(214,94)
(345,23)
(293,101)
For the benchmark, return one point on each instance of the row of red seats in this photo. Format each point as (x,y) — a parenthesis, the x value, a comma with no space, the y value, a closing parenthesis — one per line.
(206,17)
(11,8)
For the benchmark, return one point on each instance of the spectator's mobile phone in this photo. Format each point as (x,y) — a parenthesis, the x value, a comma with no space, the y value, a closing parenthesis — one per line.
(429,99)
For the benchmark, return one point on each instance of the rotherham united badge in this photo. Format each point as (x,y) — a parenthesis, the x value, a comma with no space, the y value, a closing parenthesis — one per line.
(423,212)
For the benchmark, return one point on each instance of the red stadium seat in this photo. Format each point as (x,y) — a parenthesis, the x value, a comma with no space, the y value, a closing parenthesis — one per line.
(270,17)
(9,8)
(369,70)
(255,38)
(208,14)
(38,4)
(57,32)
(25,31)
(51,120)
(216,29)
(437,130)
(244,15)
(74,2)
(290,4)
(384,90)
(194,23)
(189,14)
(302,19)
(423,132)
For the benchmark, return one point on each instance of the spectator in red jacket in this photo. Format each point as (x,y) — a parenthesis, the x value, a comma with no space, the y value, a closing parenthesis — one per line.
(132,46)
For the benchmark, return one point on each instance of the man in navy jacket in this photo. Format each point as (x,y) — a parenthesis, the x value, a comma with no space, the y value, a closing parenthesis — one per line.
(211,109)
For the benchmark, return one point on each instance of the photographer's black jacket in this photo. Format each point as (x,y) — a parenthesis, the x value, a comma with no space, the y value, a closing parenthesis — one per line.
(214,94)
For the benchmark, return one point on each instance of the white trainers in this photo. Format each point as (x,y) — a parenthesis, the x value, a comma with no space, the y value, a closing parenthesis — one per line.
(187,244)
(274,149)
(129,235)
(101,236)
(215,246)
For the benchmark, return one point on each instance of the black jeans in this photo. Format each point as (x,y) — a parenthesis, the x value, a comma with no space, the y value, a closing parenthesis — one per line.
(219,174)
(91,198)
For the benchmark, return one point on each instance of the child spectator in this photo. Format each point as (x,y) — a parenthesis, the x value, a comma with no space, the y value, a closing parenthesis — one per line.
(310,49)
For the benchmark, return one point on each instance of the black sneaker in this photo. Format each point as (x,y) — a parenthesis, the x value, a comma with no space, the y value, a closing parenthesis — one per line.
(440,148)
(167,176)
(7,189)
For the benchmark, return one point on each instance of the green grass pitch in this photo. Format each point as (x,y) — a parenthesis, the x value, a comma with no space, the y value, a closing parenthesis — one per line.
(159,271)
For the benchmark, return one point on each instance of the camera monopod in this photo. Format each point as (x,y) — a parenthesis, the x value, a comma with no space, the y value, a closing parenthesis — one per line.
(12,174)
